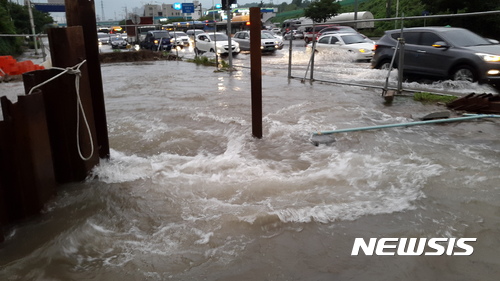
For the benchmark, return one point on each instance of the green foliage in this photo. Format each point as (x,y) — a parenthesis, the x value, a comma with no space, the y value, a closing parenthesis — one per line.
(21,19)
(429,97)
(8,45)
(203,60)
(281,17)
(320,11)
(14,19)
(485,25)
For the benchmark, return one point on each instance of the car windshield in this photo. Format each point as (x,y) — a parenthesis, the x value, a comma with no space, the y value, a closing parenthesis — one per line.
(179,33)
(218,36)
(353,39)
(264,35)
(465,38)
(343,29)
(161,34)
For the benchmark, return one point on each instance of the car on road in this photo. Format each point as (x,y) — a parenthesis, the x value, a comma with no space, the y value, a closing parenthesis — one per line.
(295,34)
(268,43)
(181,39)
(102,38)
(215,42)
(335,29)
(442,53)
(310,31)
(278,36)
(118,42)
(353,43)
(157,40)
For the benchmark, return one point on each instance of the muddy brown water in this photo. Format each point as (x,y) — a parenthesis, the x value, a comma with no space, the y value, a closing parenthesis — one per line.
(189,194)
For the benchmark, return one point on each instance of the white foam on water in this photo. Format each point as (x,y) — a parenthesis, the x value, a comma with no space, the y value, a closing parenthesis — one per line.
(295,183)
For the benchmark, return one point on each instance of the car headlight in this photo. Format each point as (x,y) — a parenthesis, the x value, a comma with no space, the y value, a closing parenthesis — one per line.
(156,41)
(489,57)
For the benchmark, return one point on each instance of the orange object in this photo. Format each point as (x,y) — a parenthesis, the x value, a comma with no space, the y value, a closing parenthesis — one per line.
(11,67)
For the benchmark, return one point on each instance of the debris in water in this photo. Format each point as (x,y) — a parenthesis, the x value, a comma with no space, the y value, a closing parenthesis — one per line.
(477,103)
(318,139)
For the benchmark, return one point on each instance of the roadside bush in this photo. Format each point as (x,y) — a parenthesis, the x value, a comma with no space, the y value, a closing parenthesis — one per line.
(10,46)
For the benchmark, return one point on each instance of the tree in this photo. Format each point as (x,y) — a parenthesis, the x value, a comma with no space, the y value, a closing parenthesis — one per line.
(14,19)
(8,45)
(322,10)
(297,2)
(485,25)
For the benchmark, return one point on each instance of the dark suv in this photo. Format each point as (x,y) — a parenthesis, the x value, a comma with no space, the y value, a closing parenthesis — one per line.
(157,40)
(443,53)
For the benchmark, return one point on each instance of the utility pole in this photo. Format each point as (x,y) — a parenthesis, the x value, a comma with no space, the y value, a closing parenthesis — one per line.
(32,22)
(102,11)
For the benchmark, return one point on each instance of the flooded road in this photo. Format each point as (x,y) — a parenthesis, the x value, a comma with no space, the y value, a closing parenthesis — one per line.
(189,194)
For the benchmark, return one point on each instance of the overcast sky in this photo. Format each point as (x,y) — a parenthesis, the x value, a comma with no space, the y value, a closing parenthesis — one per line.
(116,8)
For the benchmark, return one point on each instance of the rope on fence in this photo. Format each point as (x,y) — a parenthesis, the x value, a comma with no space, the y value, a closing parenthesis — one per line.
(75,70)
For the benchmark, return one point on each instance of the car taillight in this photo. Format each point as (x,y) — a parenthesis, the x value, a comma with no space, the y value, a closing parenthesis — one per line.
(375,47)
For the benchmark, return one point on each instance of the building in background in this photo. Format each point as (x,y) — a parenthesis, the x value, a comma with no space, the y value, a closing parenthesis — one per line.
(165,12)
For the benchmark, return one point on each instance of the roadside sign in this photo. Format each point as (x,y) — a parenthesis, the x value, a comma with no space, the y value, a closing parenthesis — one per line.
(187,8)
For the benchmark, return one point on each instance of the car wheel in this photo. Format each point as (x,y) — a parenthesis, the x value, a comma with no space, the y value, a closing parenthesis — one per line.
(464,73)
(212,51)
(385,65)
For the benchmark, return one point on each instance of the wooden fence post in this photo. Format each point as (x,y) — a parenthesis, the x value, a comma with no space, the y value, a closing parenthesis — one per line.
(82,13)
(27,176)
(60,99)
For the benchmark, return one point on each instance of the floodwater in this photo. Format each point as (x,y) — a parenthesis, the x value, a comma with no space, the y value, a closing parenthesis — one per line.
(189,194)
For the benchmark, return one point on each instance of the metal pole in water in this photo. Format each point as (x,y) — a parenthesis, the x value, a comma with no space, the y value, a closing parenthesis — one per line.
(229,40)
(468,117)
(401,58)
(313,52)
(256,71)
(290,56)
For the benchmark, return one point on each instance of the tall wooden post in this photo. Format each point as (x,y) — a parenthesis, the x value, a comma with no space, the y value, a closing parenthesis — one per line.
(256,71)
(82,13)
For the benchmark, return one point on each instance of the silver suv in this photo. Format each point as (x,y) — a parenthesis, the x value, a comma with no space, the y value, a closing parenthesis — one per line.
(442,53)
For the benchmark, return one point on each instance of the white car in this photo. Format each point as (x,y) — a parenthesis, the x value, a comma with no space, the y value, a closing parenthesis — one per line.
(181,39)
(268,43)
(351,42)
(103,38)
(279,38)
(215,43)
